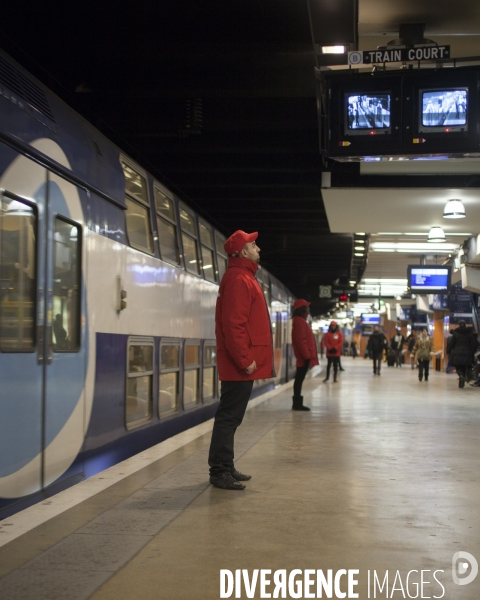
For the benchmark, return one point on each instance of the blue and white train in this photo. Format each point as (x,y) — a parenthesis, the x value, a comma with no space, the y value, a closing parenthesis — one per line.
(108,284)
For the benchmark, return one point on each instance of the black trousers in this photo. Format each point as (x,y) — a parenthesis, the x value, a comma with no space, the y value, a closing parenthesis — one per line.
(398,358)
(335,361)
(299,377)
(377,361)
(234,398)
(423,365)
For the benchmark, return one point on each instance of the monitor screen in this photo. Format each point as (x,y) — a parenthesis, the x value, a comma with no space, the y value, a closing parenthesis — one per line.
(429,280)
(367,113)
(371,318)
(443,110)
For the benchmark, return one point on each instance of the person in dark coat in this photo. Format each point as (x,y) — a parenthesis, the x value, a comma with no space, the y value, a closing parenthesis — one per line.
(376,345)
(333,341)
(304,348)
(244,352)
(461,347)
(396,344)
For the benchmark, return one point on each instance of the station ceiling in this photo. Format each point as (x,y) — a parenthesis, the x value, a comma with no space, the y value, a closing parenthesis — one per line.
(218,100)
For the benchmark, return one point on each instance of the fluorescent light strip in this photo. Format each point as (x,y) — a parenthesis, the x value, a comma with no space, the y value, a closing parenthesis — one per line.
(412,246)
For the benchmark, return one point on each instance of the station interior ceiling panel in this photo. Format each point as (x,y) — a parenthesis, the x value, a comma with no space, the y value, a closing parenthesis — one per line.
(218,100)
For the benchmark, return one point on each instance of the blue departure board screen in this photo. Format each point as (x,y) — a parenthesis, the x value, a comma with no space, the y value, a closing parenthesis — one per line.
(429,280)
(371,318)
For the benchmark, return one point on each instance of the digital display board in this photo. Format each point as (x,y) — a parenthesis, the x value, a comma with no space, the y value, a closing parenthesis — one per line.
(443,110)
(367,112)
(429,280)
(371,319)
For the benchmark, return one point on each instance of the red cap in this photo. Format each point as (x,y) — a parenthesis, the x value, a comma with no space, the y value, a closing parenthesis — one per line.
(333,323)
(237,241)
(300,302)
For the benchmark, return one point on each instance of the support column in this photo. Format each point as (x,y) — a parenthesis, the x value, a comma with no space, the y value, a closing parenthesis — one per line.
(438,336)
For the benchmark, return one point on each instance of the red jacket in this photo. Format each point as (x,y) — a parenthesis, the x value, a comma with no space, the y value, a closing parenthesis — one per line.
(333,341)
(242,324)
(303,342)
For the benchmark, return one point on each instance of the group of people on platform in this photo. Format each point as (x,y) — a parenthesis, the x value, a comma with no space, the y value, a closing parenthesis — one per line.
(461,347)
(245,351)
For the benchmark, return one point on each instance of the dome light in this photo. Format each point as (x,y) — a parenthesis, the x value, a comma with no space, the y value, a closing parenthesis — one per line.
(454,209)
(436,234)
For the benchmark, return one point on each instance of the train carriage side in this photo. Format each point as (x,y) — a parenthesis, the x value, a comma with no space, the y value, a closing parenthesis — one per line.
(108,284)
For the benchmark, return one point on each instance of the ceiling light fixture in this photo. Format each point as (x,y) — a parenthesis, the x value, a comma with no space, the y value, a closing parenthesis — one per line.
(358,253)
(436,234)
(334,49)
(412,247)
(359,248)
(454,209)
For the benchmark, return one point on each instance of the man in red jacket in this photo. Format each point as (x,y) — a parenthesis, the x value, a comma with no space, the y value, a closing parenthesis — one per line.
(304,348)
(244,352)
(333,341)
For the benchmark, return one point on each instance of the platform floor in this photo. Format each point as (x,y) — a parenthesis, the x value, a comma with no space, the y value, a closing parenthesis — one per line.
(382,474)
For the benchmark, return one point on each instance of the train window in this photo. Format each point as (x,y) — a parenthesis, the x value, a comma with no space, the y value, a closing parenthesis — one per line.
(222,258)
(266,293)
(278,330)
(67,277)
(167,235)
(167,227)
(209,371)
(139,383)
(168,385)
(135,184)
(206,235)
(138,226)
(189,241)
(187,222)
(18,235)
(208,264)
(191,379)
(164,205)
(208,258)
(137,215)
(190,254)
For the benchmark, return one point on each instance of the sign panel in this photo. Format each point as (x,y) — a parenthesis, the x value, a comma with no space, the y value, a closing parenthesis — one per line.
(461,304)
(325,291)
(370,57)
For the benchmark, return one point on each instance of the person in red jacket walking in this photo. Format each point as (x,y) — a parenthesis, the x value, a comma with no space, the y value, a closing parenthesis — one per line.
(304,348)
(244,352)
(333,341)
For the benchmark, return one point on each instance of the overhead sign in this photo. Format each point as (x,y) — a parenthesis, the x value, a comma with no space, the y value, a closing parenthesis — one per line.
(325,291)
(341,291)
(370,57)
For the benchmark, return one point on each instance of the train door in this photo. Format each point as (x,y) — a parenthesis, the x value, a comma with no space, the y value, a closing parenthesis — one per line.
(65,337)
(42,334)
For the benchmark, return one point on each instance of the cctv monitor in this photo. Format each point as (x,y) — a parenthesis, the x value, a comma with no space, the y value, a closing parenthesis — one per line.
(367,113)
(370,319)
(443,110)
(429,279)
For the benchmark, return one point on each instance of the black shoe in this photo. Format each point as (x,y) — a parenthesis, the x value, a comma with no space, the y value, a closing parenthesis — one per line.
(240,476)
(461,382)
(225,481)
(341,369)
(426,378)
(419,379)
(298,404)
(325,380)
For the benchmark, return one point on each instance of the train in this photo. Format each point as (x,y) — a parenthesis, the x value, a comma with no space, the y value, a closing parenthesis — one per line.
(108,285)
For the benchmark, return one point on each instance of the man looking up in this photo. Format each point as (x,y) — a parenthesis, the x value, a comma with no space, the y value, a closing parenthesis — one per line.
(244,352)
